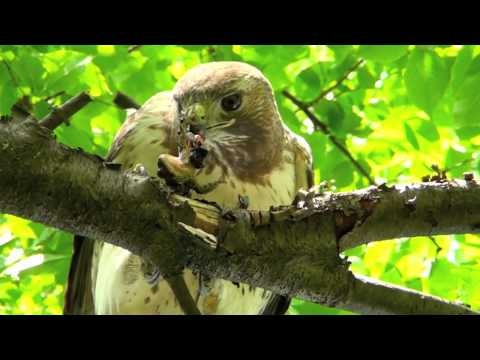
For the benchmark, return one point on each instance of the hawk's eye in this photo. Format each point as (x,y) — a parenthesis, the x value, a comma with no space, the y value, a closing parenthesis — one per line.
(231,102)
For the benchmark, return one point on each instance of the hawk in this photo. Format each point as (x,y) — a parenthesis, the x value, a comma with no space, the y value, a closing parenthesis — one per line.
(231,114)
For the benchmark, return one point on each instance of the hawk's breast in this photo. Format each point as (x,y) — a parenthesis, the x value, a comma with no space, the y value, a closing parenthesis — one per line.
(123,289)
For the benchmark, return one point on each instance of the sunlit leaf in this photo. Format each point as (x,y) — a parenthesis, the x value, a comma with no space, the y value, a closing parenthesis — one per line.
(383,53)
(426,79)
(404,109)
(410,135)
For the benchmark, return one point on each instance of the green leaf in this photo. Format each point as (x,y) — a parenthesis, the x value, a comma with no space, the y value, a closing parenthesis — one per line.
(8,91)
(365,78)
(410,135)
(29,71)
(308,83)
(415,284)
(443,280)
(396,116)
(75,138)
(41,48)
(307,308)
(426,79)
(468,132)
(466,108)
(341,51)
(461,67)
(383,53)
(332,113)
(455,157)
(87,49)
(318,142)
(343,174)
(429,131)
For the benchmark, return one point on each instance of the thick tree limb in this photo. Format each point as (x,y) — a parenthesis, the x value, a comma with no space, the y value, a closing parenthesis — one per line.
(319,125)
(286,250)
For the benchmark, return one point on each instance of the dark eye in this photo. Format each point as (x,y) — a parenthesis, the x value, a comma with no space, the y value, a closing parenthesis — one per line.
(231,102)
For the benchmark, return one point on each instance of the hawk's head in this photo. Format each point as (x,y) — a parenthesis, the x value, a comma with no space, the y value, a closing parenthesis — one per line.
(232,106)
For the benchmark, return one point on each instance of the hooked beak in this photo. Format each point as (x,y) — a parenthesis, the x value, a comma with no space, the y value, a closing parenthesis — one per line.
(194,117)
(193,114)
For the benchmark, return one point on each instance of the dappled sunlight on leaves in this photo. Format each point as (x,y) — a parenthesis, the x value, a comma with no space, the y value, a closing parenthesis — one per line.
(404,109)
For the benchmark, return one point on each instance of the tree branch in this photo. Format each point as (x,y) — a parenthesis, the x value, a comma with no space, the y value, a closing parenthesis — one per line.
(319,125)
(287,250)
(375,297)
(13,78)
(133,48)
(125,102)
(64,112)
(337,83)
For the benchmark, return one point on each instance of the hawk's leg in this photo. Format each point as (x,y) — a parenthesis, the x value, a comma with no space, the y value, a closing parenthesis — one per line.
(181,292)
(177,284)
(151,272)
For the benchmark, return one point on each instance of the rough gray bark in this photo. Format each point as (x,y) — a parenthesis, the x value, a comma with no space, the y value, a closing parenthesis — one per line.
(290,250)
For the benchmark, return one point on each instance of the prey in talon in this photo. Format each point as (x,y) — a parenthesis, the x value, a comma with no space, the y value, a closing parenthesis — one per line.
(182,169)
(196,139)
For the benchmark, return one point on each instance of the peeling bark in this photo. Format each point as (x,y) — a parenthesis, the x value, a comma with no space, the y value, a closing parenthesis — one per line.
(288,250)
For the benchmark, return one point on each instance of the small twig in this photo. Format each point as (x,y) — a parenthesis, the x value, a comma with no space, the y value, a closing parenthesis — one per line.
(459,164)
(439,248)
(60,93)
(337,83)
(319,125)
(133,48)
(10,73)
(125,102)
(65,111)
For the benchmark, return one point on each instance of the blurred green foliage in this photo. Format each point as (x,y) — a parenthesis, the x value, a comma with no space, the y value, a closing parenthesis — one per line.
(404,109)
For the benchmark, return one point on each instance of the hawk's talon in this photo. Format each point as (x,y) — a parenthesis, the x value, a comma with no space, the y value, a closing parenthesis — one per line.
(139,169)
(243,202)
(227,214)
(305,198)
(151,274)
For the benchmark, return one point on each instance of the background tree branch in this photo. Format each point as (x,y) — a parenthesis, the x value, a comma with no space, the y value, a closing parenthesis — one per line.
(320,126)
(124,101)
(288,250)
(337,83)
(64,112)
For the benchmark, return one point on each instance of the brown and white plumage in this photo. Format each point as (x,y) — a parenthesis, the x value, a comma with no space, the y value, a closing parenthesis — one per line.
(250,153)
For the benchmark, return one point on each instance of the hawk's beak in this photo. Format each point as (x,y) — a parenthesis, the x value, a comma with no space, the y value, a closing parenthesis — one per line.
(195,118)
(192,119)
(194,114)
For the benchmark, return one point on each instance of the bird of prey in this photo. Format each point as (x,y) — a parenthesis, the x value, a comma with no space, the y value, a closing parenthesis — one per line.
(231,114)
